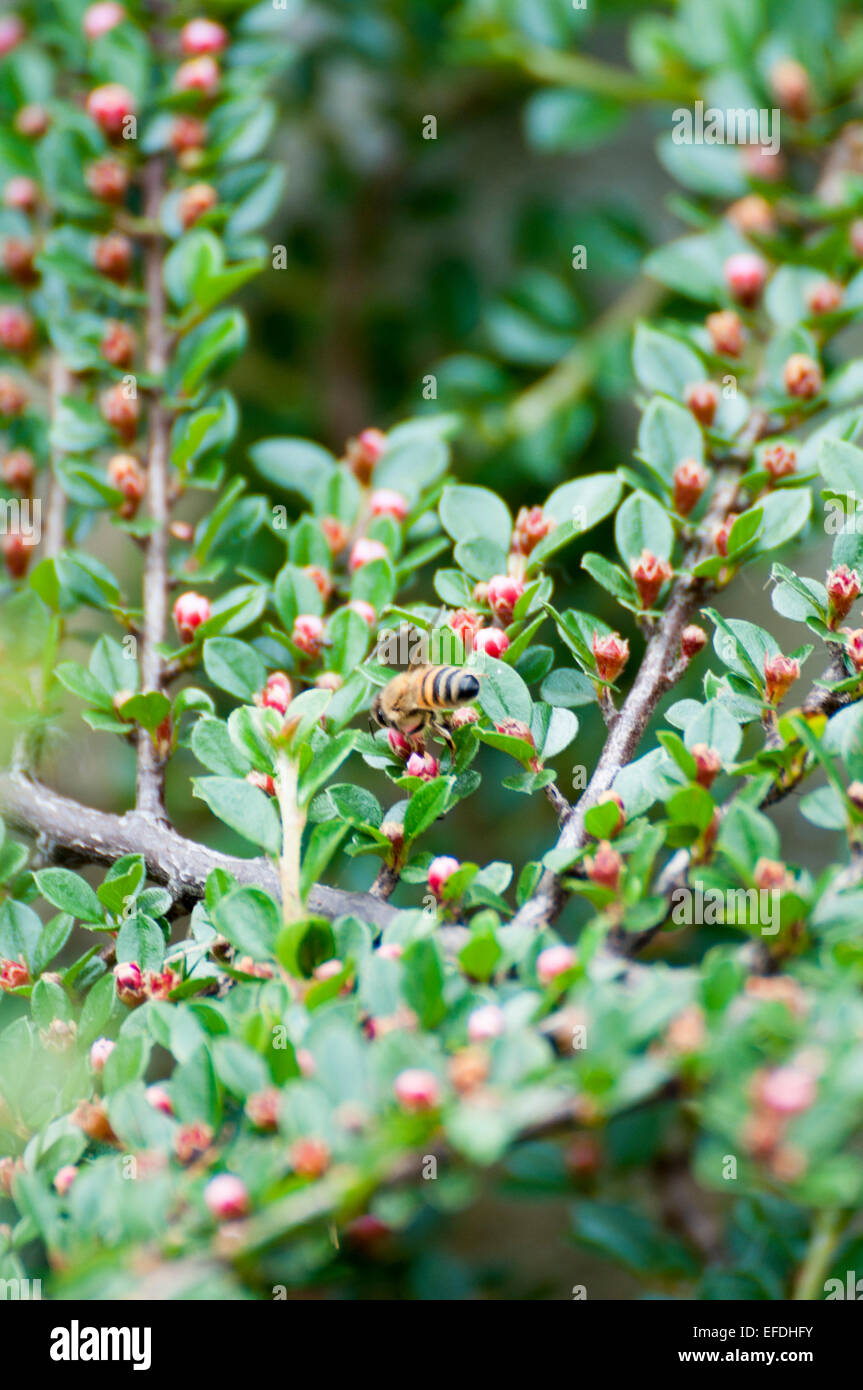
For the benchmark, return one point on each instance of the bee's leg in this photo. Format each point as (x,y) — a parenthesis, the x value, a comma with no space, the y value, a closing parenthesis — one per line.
(444,734)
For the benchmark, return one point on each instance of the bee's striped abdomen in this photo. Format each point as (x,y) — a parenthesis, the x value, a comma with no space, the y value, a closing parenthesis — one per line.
(444,687)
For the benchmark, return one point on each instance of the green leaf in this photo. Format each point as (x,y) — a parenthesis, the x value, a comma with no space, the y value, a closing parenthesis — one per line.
(745,836)
(250,920)
(642,524)
(70,893)
(669,433)
(663,363)
(141,939)
(475,513)
(246,809)
(234,666)
(425,806)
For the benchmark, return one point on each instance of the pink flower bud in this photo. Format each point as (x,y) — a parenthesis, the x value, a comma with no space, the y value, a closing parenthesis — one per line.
(118,345)
(100,1052)
(202,36)
(486,1023)
(386,502)
(363,453)
(262,780)
(787,1090)
(802,376)
(439,873)
(465,623)
(554,961)
(504,593)
(780,673)
(198,75)
(101,18)
(468,714)
(791,87)
(158,1097)
(365,610)
(310,1158)
(746,275)
(18,471)
(21,192)
(110,107)
(64,1178)
(121,411)
(364,551)
(422,765)
(129,982)
(492,641)
(188,133)
(263,1108)
(308,634)
(612,797)
(194,201)
(17,256)
(708,764)
(108,180)
(727,333)
(531,526)
(854,646)
(604,867)
(390,950)
(276,694)
(649,574)
(515,728)
(11,33)
(763,163)
(399,744)
(17,329)
(702,399)
(692,640)
(322,581)
(226,1197)
(416,1090)
(780,461)
(13,974)
(843,587)
(825,297)
(690,480)
(190,611)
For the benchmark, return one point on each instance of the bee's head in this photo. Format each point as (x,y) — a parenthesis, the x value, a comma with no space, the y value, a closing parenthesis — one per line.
(377,711)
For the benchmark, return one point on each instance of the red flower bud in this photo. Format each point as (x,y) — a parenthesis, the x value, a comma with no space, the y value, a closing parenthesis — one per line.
(802,376)
(649,575)
(364,551)
(491,641)
(780,461)
(604,866)
(611,653)
(191,1141)
(17,329)
(108,180)
(771,874)
(399,744)
(21,192)
(746,275)
(486,1023)
(18,253)
(194,202)
(531,526)
(198,75)
(121,410)
(187,133)
(554,961)
(308,634)
(787,1090)
(110,107)
(335,533)
(11,33)
(190,610)
(310,1158)
(277,693)
(64,1178)
(466,715)
(726,332)
(465,624)
(263,1108)
(386,502)
(692,640)
(159,1098)
(90,1116)
(721,534)
(112,256)
(13,397)
(100,1051)
(690,480)
(16,553)
(763,163)
(203,36)
(262,780)
(13,974)
(503,594)
(417,1090)
(127,476)
(854,646)
(708,764)
(129,981)
(780,673)
(825,297)
(702,399)
(843,586)
(363,453)
(365,610)
(226,1197)
(118,345)
(18,471)
(791,87)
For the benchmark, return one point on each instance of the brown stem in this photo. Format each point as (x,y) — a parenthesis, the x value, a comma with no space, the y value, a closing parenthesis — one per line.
(150,799)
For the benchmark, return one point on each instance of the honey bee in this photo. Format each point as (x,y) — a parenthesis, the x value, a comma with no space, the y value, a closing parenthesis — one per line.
(413,699)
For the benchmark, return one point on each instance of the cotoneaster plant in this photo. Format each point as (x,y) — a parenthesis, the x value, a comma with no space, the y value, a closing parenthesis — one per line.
(244,1074)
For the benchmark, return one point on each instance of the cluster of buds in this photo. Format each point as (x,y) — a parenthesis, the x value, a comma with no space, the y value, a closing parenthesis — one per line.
(134,985)
(780,673)
(649,573)
(843,587)
(690,480)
